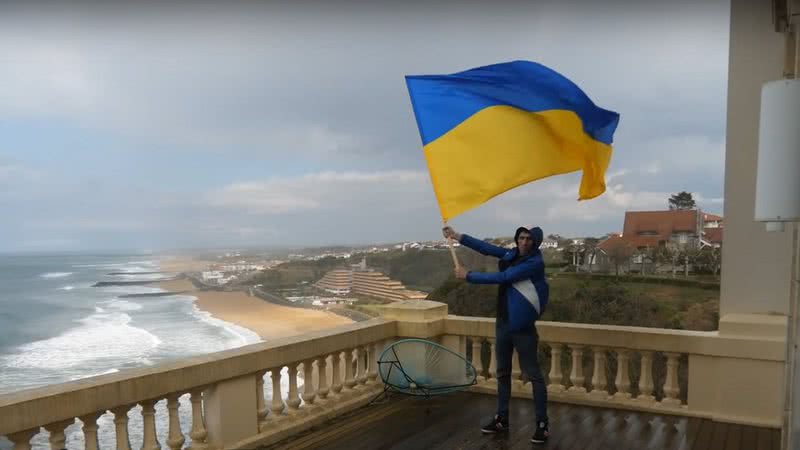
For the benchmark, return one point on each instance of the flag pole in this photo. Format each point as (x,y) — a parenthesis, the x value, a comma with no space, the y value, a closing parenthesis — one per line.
(450,246)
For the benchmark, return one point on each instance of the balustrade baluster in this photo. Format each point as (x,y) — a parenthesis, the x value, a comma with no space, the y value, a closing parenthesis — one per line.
(599,379)
(646,379)
(363,361)
(349,380)
(199,432)
(261,402)
(121,427)
(149,439)
(555,375)
(22,440)
(175,439)
(322,376)
(309,394)
(277,396)
(90,431)
(58,440)
(373,362)
(671,387)
(516,371)
(576,376)
(294,398)
(336,373)
(492,358)
(477,362)
(623,381)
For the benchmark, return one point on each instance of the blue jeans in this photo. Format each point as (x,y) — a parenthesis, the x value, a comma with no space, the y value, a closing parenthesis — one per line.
(526,343)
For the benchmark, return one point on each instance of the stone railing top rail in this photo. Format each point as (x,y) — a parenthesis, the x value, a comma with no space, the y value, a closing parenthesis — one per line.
(31,408)
(710,343)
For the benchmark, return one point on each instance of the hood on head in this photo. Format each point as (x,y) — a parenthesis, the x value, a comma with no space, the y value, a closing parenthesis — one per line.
(536,234)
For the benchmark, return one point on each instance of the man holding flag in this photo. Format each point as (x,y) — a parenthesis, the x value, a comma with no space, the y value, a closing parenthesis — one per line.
(488,130)
(521,298)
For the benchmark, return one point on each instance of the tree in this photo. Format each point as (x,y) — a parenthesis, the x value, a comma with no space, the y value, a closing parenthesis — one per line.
(669,254)
(590,250)
(645,254)
(709,259)
(689,256)
(682,200)
(619,252)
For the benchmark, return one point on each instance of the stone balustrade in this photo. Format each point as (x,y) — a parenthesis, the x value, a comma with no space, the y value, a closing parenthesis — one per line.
(253,395)
(645,369)
(229,403)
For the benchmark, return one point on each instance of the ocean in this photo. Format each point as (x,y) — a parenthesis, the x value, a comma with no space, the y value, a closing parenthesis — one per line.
(56,327)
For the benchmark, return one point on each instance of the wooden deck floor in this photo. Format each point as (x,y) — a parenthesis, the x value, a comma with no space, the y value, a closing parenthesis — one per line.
(453,422)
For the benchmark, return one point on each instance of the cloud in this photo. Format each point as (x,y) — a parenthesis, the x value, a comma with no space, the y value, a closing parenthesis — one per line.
(685,153)
(163,125)
(331,191)
(16,178)
(552,203)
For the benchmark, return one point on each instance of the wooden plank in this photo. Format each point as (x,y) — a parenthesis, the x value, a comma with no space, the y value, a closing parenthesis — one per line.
(719,436)
(734,439)
(607,433)
(776,439)
(749,437)
(461,420)
(764,439)
(683,429)
(703,441)
(583,425)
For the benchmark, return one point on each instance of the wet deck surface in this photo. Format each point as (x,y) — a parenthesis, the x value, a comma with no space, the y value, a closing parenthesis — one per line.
(453,422)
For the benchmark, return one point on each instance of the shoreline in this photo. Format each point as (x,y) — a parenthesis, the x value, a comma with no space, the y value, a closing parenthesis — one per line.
(268,320)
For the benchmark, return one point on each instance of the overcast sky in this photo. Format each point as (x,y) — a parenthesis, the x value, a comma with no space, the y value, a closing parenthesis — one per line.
(165,127)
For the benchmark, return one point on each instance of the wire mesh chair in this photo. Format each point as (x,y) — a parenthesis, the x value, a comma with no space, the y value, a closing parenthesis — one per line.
(423,368)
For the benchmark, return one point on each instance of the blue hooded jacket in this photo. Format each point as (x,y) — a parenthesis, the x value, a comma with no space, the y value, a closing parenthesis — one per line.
(522,283)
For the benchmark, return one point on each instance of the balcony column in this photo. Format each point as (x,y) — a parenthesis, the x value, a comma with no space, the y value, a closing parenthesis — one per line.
(149,439)
(199,432)
(121,427)
(623,381)
(599,379)
(336,373)
(308,383)
(277,405)
(261,402)
(555,375)
(372,375)
(492,358)
(175,438)
(349,378)
(361,364)
(22,440)
(755,298)
(90,431)
(58,440)
(516,372)
(646,379)
(322,377)
(477,362)
(294,399)
(576,376)
(671,387)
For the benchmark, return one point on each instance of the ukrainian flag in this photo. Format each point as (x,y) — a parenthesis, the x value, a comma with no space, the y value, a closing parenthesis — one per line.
(490,129)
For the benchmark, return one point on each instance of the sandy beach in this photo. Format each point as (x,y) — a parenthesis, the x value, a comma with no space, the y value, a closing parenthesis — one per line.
(182,264)
(268,320)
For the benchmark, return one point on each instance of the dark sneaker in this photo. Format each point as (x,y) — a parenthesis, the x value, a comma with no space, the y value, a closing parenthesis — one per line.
(497,425)
(541,434)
